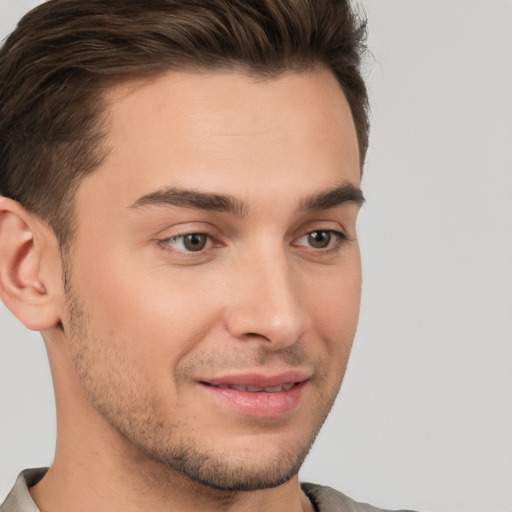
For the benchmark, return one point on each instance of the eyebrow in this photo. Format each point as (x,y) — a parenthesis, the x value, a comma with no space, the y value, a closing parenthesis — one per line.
(188,198)
(225,203)
(345,193)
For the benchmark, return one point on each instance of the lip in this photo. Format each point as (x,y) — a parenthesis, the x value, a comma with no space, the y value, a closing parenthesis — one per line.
(262,404)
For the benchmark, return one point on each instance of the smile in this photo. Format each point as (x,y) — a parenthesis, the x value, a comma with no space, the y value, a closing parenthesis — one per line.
(257,389)
(257,395)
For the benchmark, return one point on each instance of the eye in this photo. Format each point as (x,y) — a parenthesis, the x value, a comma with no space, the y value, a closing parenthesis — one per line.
(190,242)
(322,239)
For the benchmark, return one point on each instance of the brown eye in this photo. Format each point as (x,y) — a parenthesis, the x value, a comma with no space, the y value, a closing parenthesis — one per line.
(191,242)
(319,239)
(195,241)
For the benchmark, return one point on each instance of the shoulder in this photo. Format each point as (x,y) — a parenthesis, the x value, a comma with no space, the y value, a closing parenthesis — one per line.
(327,499)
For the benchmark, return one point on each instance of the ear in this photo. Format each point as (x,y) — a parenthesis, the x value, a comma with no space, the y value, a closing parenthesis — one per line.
(28,249)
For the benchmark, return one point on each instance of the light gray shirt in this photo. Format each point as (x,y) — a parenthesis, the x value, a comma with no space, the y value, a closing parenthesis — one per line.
(323,498)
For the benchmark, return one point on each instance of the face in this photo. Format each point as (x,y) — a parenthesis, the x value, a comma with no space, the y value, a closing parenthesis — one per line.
(215,273)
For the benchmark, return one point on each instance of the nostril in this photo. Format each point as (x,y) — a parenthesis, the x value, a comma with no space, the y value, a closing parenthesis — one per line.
(256,335)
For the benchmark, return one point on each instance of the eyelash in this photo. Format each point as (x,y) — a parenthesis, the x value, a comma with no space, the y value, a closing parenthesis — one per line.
(340,239)
(165,243)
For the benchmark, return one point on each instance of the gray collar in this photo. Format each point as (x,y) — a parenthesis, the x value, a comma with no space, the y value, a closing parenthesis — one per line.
(19,499)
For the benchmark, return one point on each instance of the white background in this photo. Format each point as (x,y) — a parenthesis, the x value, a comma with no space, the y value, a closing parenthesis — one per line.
(424,419)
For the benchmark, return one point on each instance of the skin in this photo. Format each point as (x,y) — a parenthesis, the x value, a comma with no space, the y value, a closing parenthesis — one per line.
(145,322)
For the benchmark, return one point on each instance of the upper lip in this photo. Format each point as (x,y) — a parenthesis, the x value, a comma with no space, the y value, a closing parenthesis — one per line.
(258,379)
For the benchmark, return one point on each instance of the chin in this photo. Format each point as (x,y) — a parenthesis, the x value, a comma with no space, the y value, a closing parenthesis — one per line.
(241,474)
(233,470)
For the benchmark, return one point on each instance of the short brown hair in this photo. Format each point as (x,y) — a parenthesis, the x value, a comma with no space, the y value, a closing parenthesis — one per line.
(56,65)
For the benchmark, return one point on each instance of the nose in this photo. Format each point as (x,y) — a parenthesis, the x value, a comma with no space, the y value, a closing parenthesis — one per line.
(265,302)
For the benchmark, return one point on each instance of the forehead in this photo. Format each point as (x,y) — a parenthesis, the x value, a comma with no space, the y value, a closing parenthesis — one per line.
(231,93)
(227,131)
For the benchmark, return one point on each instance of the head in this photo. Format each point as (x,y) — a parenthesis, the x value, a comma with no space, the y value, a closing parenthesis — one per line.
(185,181)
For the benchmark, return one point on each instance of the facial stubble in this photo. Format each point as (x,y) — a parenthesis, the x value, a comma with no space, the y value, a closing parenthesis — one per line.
(165,442)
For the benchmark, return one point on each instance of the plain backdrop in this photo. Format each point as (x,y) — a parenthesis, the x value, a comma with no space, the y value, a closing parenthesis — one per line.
(424,418)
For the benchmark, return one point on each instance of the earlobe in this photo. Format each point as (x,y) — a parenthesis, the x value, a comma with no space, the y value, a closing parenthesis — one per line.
(23,288)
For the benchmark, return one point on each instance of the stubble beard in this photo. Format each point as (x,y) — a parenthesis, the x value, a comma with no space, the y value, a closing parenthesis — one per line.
(164,444)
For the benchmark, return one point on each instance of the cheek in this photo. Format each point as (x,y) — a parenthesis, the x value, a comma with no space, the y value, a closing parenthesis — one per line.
(158,314)
(334,303)
(334,312)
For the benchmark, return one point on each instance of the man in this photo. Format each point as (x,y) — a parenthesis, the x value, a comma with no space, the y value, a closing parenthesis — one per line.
(181,182)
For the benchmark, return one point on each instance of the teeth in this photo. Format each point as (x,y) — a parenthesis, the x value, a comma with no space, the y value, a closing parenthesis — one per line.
(254,389)
(275,389)
(251,389)
(257,389)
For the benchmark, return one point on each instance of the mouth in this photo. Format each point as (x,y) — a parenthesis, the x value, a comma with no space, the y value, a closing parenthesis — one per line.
(256,389)
(259,395)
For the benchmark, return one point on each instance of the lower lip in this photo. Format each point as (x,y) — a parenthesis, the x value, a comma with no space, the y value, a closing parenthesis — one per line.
(259,404)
